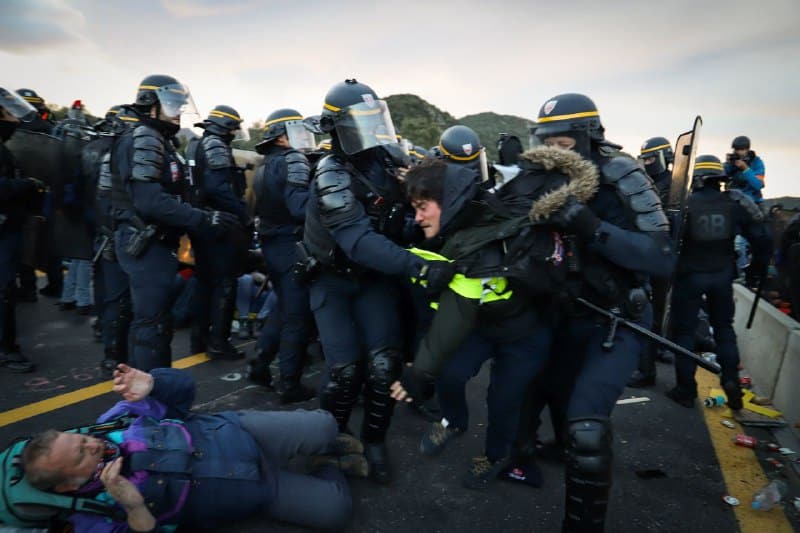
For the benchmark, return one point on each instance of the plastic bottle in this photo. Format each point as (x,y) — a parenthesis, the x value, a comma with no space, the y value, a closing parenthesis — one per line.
(769,496)
(714,401)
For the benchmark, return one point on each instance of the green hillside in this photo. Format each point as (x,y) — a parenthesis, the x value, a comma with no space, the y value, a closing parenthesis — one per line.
(423,123)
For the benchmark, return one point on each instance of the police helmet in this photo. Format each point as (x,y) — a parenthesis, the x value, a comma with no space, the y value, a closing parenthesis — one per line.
(17,105)
(707,168)
(460,144)
(299,131)
(661,151)
(418,154)
(224,120)
(32,98)
(741,143)
(173,97)
(113,112)
(356,118)
(571,115)
(275,126)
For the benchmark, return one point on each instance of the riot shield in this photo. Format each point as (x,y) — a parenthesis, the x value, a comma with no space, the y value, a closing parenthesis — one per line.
(682,170)
(37,155)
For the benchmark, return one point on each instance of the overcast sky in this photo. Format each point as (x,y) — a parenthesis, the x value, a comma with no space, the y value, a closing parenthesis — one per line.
(649,66)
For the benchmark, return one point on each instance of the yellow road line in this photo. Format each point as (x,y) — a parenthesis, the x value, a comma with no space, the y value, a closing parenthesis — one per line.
(62,400)
(740,468)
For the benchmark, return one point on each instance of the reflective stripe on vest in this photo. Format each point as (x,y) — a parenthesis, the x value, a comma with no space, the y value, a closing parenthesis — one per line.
(483,289)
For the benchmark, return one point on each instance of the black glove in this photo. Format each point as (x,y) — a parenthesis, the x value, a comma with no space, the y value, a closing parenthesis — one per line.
(417,384)
(576,218)
(220,221)
(436,275)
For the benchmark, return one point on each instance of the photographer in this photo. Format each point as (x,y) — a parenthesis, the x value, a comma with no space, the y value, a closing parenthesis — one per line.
(745,169)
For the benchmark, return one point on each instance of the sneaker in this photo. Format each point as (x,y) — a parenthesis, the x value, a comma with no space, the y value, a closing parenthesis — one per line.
(435,439)
(15,362)
(482,472)
(681,398)
(351,465)
(346,444)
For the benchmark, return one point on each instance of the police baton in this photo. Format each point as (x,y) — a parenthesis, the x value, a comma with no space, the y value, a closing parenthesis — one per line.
(618,320)
(757,297)
(102,247)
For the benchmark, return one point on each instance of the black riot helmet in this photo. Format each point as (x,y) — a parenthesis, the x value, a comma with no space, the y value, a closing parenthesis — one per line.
(172,97)
(289,122)
(224,120)
(571,115)
(660,151)
(741,143)
(33,98)
(418,154)
(708,169)
(113,112)
(460,144)
(17,105)
(356,118)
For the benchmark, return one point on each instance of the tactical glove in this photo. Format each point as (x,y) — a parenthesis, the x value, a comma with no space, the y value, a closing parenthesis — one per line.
(436,275)
(220,221)
(576,218)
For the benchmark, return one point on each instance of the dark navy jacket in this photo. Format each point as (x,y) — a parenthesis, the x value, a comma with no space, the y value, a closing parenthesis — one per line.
(280,202)
(199,470)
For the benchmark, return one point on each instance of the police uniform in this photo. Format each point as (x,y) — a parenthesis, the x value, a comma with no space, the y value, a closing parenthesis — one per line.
(355,219)
(621,236)
(281,188)
(706,268)
(148,183)
(216,183)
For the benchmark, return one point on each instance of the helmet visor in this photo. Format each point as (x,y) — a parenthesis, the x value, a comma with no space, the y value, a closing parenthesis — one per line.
(176,100)
(16,105)
(241,134)
(300,138)
(365,125)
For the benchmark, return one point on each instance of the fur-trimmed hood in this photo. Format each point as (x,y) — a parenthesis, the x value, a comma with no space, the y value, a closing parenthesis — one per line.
(583,178)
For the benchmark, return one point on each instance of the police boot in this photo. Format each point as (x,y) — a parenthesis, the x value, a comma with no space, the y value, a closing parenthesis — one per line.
(109,362)
(588,474)
(291,390)
(219,345)
(198,339)
(645,375)
(380,469)
(223,349)
(11,360)
(258,369)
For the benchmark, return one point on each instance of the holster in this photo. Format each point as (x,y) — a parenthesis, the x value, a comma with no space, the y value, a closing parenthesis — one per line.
(143,235)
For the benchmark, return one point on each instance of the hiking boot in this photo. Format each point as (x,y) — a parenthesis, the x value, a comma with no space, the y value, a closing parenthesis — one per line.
(13,361)
(435,439)
(346,444)
(681,398)
(351,465)
(292,391)
(258,372)
(482,472)
(380,469)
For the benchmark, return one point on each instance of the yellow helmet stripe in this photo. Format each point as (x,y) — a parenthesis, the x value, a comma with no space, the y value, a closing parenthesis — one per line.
(653,149)
(330,107)
(113,111)
(708,166)
(459,157)
(129,119)
(218,113)
(149,87)
(33,99)
(567,117)
(268,123)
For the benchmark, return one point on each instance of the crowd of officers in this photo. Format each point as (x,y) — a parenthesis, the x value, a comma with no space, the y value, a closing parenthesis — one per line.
(417,266)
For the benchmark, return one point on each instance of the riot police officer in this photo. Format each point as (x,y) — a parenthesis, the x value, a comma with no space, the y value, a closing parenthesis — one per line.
(43,120)
(148,181)
(620,237)
(15,194)
(281,190)
(657,157)
(354,232)
(216,183)
(111,284)
(706,268)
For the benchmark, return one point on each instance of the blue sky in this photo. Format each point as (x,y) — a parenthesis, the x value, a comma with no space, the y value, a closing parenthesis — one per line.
(649,66)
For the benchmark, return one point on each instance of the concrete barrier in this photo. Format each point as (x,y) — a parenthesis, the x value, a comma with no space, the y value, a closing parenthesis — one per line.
(770,351)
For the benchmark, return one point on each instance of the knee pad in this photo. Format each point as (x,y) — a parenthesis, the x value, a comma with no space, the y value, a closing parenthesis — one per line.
(344,378)
(589,446)
(384,366)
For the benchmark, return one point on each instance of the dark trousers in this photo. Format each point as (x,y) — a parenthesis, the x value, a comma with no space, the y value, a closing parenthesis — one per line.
(286,333)
(117,312)
(215,294)
(151,276)
(10,242)
(514,365)
(687,297)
